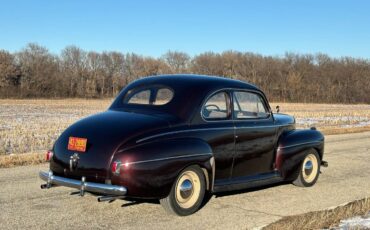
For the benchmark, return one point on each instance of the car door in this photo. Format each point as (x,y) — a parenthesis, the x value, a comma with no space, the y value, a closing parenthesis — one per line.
(219,132)
(255,135)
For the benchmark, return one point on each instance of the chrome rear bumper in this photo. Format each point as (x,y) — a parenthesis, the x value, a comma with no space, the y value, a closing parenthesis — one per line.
(82,185)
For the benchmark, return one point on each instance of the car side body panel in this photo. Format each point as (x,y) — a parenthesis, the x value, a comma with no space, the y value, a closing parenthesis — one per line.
(150,169)
(291,149)
(218,136)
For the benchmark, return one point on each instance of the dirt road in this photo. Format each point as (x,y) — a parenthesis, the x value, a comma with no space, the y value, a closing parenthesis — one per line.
(23,205)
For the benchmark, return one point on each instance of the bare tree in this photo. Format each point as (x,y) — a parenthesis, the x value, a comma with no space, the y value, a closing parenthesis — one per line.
(74,68)
(9,74)
(39,71)
(178,62)
(34,72)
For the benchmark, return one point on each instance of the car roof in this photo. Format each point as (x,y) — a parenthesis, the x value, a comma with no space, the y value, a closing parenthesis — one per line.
(190,91)
(200,81)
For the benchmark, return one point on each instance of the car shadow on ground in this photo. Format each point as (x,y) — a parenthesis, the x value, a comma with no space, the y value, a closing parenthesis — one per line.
(259,188)
(207,196)
(131,202)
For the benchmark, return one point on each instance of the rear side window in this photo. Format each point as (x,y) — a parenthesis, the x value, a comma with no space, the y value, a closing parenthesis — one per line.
(216,107)
(149,96)
(141,97)
(249,105)
(164,95)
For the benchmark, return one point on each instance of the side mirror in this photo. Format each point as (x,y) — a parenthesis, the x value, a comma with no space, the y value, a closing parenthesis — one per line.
(277,109)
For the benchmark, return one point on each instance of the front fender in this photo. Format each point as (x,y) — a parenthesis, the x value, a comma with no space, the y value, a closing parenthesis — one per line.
(149,170)
(292,147)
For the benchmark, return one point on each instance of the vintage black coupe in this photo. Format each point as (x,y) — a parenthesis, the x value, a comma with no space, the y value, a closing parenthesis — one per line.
(177,138)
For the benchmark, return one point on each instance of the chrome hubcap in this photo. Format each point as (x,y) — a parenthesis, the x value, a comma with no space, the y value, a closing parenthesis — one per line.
(308,167)
(186,189)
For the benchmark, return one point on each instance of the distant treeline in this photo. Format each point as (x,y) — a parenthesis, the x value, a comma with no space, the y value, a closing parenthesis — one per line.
(35,72)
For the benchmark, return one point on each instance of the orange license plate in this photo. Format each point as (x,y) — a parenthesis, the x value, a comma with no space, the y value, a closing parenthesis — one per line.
(77,144)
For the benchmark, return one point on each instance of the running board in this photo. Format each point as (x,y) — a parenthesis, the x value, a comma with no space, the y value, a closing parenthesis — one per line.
(249,182)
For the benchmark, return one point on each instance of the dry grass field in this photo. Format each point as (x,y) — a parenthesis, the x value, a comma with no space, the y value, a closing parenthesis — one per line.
(329,118)
(31,126)
(325,219)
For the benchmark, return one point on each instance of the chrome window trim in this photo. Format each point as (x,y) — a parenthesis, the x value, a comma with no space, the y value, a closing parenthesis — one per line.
(226,119)
(265,105)
(232,119)
(155,87)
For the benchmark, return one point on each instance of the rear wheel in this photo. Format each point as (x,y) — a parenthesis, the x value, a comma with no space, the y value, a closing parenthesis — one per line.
(309,170)
(187,193)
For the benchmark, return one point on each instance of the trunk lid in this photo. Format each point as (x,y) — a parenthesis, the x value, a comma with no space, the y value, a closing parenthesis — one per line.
(104,132)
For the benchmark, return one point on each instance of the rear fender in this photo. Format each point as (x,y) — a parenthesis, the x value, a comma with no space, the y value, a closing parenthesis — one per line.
(292,147)
(149,170)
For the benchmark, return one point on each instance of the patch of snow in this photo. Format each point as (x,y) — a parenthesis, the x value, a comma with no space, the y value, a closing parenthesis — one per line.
(360,124)
(354,121)
(5,127)
(355,223)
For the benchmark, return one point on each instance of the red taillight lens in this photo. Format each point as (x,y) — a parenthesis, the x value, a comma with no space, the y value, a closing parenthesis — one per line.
(116,167)
(49,155)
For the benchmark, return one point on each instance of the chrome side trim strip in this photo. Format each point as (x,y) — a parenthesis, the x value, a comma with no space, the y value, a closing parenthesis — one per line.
(180,131)
(305,143)
(205,129)
(266,126)
(169,158)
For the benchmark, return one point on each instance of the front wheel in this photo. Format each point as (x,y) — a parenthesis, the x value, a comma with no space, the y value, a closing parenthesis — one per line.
(187,193)
(309,170)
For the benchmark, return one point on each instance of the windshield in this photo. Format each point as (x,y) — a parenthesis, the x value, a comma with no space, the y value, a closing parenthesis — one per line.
(152,95)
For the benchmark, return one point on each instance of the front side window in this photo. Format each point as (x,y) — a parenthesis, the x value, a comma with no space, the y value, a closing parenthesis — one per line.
(216,107)
(148,96)
(249,105)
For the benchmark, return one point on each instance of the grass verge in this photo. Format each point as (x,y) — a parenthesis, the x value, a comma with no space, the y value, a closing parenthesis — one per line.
(325,219)
(21,159)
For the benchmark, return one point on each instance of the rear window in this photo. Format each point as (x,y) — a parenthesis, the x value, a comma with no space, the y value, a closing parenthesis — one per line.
(149,96)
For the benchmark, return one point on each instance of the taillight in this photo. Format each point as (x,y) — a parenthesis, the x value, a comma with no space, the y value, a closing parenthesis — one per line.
(49,155)
(116,167)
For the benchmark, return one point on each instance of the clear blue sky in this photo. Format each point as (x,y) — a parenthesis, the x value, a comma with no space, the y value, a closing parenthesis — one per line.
(336,27)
